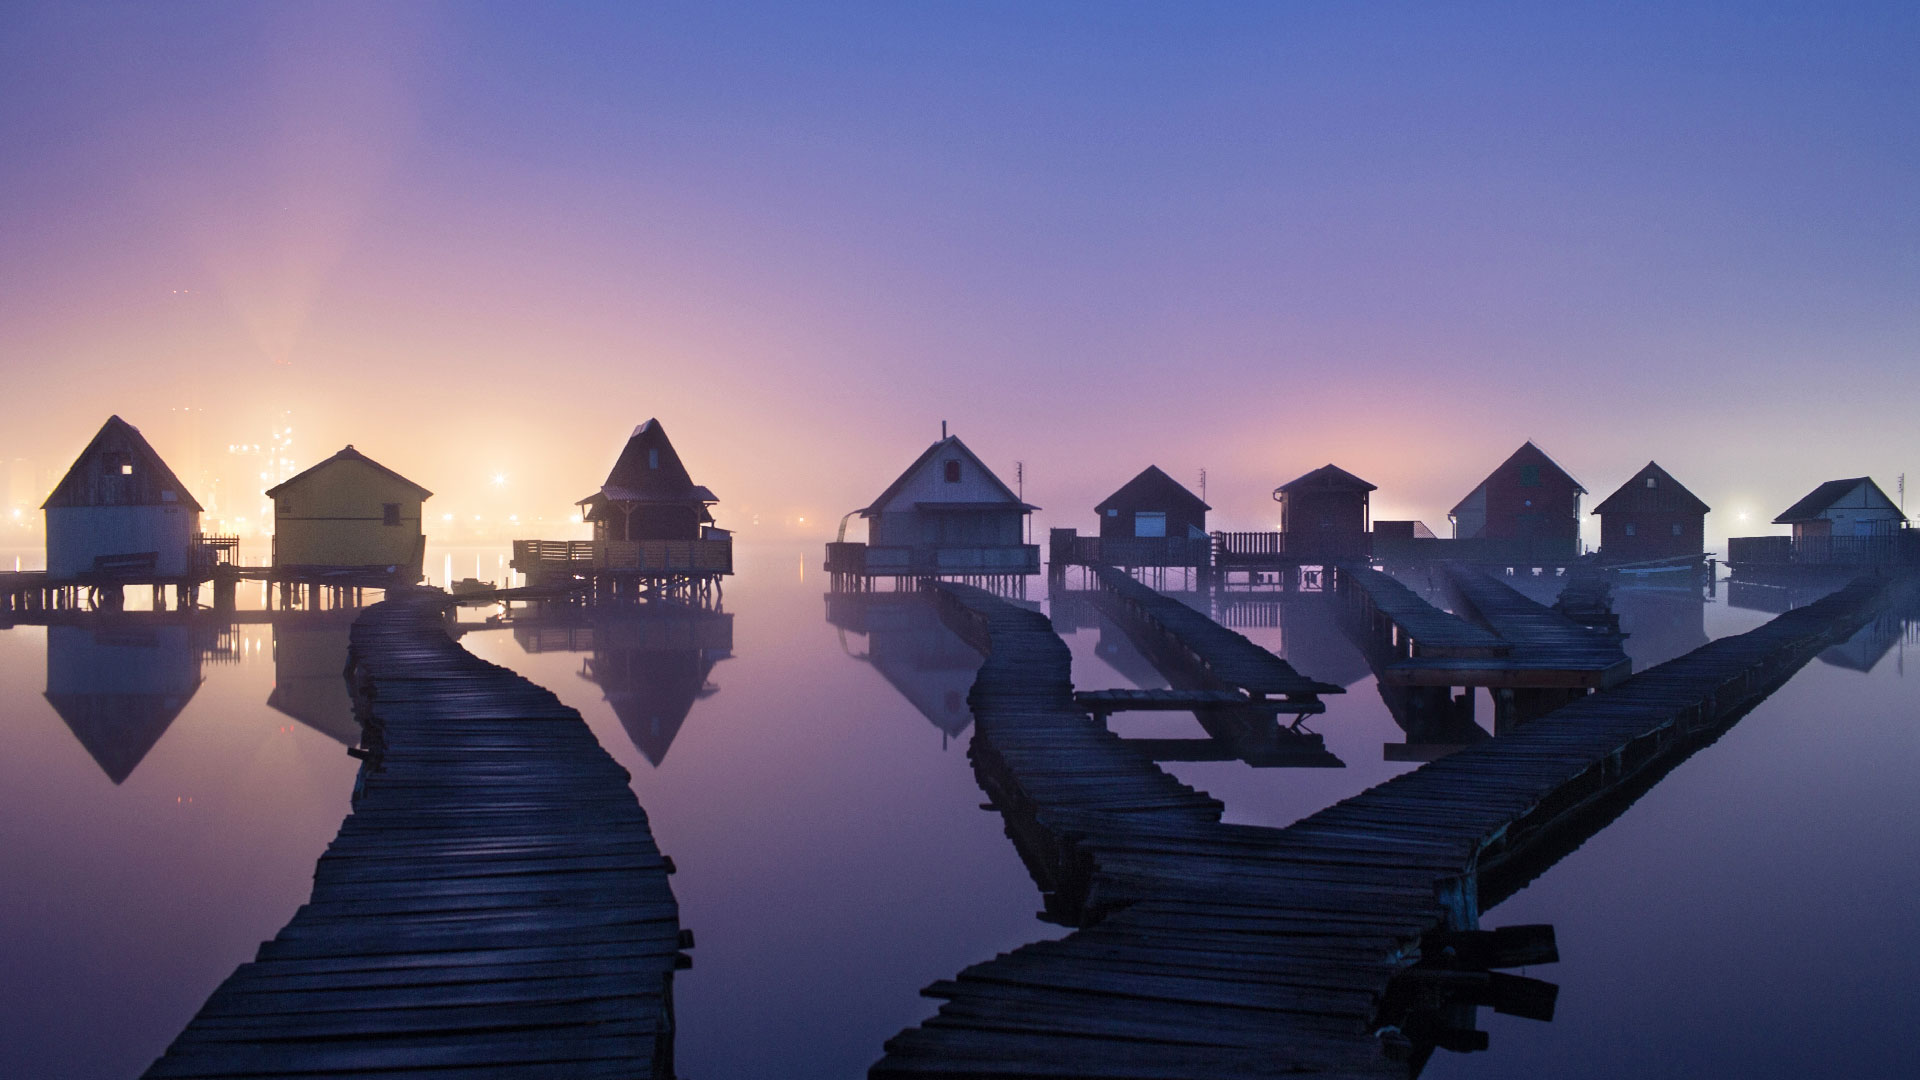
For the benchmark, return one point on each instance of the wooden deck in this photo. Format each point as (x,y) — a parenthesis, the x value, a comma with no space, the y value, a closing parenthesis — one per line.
(494,905)
(1210,950)
(1226,658)
(1425,630)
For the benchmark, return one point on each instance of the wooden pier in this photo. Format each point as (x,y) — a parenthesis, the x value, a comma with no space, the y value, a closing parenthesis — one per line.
(494,904)
(1214,653)
(1345,944)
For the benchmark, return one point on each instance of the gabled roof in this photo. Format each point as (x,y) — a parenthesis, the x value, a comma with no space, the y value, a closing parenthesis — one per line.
(632,479)
(1152,488)
(1666,496)
(1528,454)
(951,442)
(1327,478)
(1822,498)
(150,480)
(346,454)
(118,730)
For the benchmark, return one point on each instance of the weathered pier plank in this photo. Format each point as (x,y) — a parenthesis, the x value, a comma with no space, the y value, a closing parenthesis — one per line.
(493,906)
(1215,950)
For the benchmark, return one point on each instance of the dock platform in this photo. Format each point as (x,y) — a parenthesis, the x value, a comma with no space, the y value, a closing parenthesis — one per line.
(1224,657)
(494,905)
(1345,944)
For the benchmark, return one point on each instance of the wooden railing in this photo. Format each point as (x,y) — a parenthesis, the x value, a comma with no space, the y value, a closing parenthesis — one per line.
(540,558)
(1902,547)
(935,560)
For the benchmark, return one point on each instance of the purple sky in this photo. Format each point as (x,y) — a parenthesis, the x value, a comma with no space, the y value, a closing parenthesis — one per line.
(484,240)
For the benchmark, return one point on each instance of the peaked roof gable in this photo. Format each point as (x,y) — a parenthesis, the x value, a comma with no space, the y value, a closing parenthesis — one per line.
(649,470)
(1666,496)
(1822,498)
(925,462)
(1152,486)
(1327,478)
(345,455)
(1528,454)
(148,485)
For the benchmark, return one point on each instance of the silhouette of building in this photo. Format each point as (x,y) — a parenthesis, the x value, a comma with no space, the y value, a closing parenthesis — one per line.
(119,687)
(1853,507)
(946,515)
(652,663)
(1652,516)
(1525,511)
(1325,514)
(1152,505)
(932,667)
(649,494)
(121,510)
(349,511)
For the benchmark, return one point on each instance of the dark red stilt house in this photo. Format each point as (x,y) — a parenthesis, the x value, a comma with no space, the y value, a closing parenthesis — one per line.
(1325,514)
(1652,517)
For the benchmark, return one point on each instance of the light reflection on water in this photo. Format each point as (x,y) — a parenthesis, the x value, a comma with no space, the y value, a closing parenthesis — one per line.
(803,760)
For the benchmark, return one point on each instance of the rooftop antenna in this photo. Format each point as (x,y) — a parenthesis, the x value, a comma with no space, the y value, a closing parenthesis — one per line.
(1203,485)
(943,430)
(1903,493)
(1020,489)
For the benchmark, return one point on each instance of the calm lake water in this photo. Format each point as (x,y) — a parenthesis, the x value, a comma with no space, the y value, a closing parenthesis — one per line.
(167,788)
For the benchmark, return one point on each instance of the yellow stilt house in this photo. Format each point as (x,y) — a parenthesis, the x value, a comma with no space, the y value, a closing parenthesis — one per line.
(349,512)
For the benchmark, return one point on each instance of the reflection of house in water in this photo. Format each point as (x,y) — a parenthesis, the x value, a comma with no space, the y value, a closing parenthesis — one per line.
(909,645)
(1660,624)
(309,657)
(118,687)
(651,662)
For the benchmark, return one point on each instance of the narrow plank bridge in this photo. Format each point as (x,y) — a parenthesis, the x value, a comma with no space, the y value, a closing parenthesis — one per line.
(1339,945)
(494,905)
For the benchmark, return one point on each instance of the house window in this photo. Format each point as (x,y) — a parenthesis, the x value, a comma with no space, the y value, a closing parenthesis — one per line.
(1529,476)
(653,459)
(1113,511)
(1651,482)
(286,506)
(1630,529)
(1676,528)
(953,472)
(1150,523)
(126,468)
(389,513)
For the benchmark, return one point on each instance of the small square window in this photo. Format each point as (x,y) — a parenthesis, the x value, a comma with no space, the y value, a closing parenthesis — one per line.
(653,459)
(1651,482)
(1529,476)
(390,513)
(126,469)
(1630,529)
(953,472)
(1676,528)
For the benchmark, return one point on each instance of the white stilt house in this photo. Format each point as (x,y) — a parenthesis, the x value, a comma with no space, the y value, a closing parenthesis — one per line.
(120,513)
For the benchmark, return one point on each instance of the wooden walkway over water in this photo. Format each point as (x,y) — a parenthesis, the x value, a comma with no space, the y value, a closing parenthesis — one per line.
(1226,658)
(1511,642)
(1210,950)
(494,905)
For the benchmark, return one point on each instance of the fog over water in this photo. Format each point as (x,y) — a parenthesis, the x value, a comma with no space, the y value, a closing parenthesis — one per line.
(803,761)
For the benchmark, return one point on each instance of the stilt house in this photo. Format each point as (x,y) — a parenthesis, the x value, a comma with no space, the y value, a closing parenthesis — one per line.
(1150,506)
(1855,507)
(1525,511)
(349,512)
(1325,514)
(948,514)
(121,513)
(649,495)
(1652,517)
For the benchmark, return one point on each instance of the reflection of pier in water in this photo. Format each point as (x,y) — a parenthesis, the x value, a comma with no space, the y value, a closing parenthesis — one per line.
(913,649)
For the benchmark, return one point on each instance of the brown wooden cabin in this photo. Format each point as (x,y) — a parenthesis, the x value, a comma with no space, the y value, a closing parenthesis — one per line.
(1152,505)
(1325,514)
(1652,517)
(649,494)
(1527,510)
